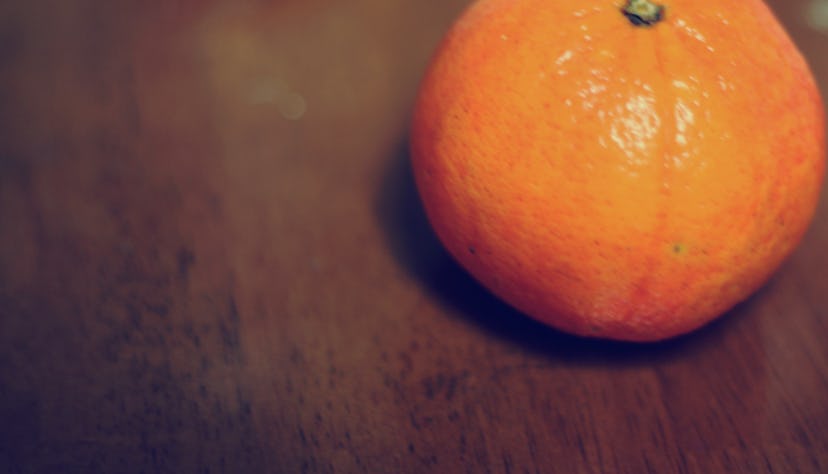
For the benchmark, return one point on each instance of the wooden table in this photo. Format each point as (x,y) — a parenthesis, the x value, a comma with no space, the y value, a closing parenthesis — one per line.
(213,259)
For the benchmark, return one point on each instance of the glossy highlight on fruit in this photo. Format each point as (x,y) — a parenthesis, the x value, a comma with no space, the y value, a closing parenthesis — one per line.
(624,170)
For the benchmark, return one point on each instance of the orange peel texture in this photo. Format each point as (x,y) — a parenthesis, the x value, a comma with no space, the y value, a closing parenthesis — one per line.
(617,179)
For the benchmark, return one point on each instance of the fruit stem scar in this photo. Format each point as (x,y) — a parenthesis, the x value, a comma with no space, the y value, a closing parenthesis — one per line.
(643,13)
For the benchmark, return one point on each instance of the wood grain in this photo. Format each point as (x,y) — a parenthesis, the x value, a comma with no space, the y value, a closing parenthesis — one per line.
(213,259)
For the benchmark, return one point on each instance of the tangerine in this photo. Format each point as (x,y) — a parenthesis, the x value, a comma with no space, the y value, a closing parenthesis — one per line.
(619,170)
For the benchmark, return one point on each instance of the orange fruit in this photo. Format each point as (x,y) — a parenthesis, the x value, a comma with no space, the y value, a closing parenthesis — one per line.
(619,170)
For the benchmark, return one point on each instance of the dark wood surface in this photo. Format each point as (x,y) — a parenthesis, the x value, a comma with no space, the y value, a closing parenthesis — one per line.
(212,259)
